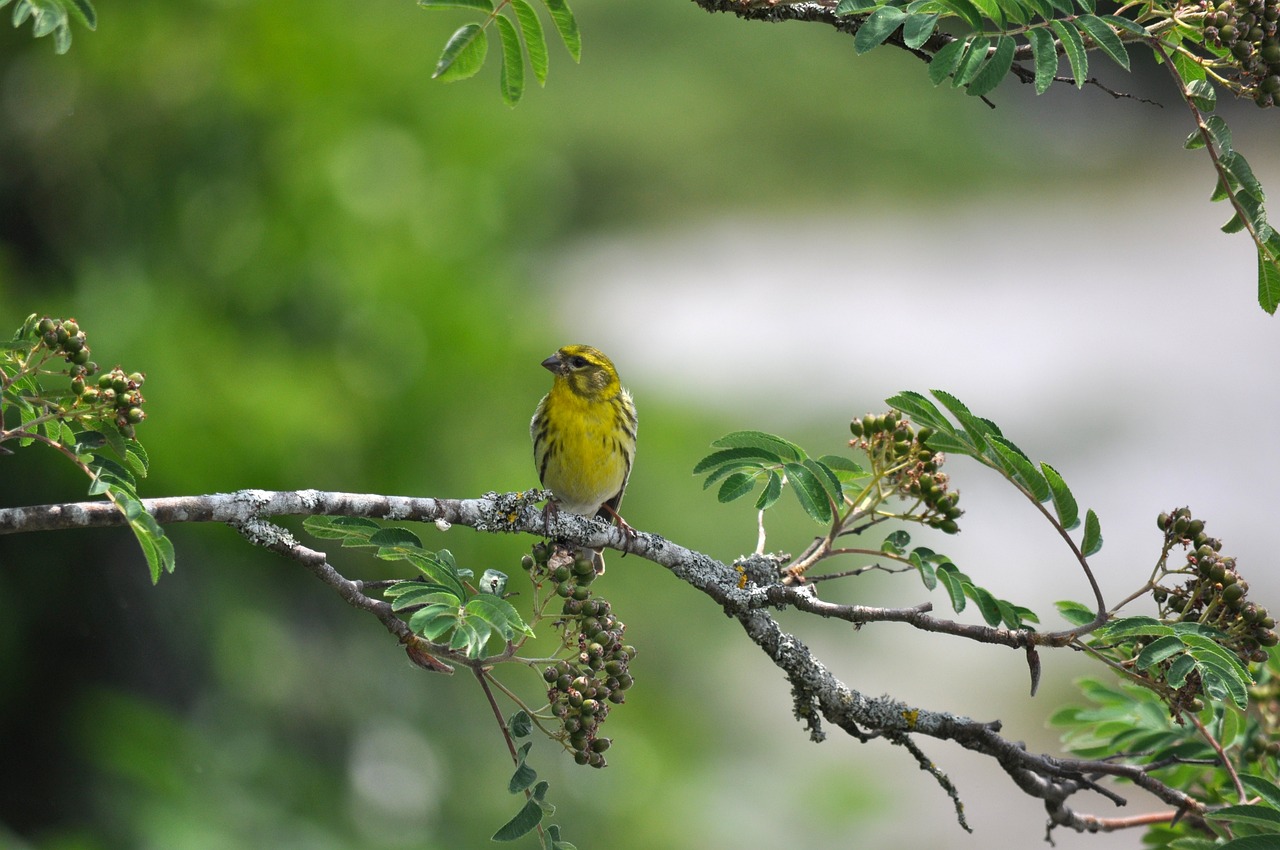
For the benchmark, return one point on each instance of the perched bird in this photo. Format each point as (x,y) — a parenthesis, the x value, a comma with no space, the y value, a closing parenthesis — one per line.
(584,436)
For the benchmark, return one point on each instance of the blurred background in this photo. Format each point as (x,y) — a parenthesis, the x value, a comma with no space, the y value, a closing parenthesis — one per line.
(338,274)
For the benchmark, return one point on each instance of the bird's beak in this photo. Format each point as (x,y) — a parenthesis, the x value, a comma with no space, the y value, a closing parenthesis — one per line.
(554,364)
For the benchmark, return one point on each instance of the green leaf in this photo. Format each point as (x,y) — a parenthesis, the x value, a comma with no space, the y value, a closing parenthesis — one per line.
(842,463)
(1131,626)
(340,527)
(1220,191)
(438,570)
(1073,45)
(1179,670)
(739,466)
(952,580)
(917,29)
(1203,95)
(975,54)
(411,594)
(1075,613)
(1159,650)
(478,5)
(84,12)
(1269,280)
(964,9)
(990,10)
(995,69)
(511,74)
(882,23)
(1257,815)
(470,636)
(1064,504)
(1125,24)
(941,66)
(391,538)
(1251,842)
(928,575)
(1221,684)
(498,614)
(62,38)
(1234,225)
(855,7)
(522,824)
(525,776)
(1092,534)
(986,603)
(772,490)
(775,445)
(566,25)
(913,404)
(1219,132)
(943,441)
(1020,469)
(1188,68)
(809,491)
(1204,648)
(1262,787)
(736,486)
(49,16)
(752,453)
(535,40)
(520,725)
(1238,167)
(827,478)
(463,54)
(975,427)
(1045,50)
(1105,37)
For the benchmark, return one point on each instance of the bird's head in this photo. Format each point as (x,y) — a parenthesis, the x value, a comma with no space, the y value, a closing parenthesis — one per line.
(584,370)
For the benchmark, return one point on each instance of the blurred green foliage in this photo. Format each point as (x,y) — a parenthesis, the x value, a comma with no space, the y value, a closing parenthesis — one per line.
(328,267)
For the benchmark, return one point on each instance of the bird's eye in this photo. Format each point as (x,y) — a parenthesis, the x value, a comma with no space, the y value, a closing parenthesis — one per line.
(578,362)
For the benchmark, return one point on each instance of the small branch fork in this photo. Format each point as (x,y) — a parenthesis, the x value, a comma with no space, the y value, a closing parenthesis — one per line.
(818,694)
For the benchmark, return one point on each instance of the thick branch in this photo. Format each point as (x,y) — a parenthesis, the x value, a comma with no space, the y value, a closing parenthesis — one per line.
(742,591)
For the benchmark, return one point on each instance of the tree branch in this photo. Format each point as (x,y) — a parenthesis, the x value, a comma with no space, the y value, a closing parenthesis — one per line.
(743,591)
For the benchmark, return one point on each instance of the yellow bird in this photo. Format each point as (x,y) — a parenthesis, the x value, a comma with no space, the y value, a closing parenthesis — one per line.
(584,436)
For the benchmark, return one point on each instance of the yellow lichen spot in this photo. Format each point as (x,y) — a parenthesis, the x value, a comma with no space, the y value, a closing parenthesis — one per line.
(511,517)
(742,576)
(911,716)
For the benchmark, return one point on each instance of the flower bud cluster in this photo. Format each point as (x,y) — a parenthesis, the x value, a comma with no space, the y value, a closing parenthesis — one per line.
(896,447)
(113,396)
(1214,594)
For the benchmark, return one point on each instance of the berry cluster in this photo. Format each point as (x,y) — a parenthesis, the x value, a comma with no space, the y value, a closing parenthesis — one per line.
(582,686)
(1214,594)
(64,337)
(118,393)
(1247,29)
(896,447)
(114,396)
